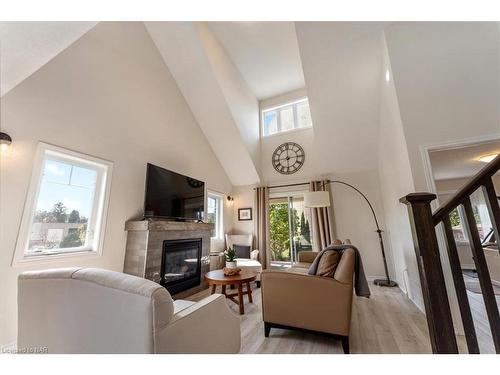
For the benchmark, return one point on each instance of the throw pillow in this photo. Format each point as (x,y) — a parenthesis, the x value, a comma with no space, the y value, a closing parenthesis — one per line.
(242,251)
(328,263)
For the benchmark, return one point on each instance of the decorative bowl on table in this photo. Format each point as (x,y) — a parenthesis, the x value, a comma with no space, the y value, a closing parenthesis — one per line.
(231,271)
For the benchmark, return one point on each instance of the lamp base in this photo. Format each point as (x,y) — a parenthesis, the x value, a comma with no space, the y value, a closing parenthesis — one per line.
(385,282)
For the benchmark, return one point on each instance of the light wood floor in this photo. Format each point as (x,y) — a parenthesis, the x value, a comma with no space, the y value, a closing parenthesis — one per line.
(481,323)
(387,322)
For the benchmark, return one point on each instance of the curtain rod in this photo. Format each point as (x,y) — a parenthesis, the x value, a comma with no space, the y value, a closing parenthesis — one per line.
(287,185)
(323,183)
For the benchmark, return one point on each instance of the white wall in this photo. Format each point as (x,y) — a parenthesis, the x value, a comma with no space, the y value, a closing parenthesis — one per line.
(108,95)
(446,76)
(352,216)
(240,100)
(395,182)
(283,98)
(303,137)
(26,46)
(342,80)
(184,53)
(243,198)
(341,63)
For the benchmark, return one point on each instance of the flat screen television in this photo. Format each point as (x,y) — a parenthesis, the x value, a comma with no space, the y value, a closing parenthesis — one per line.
(171,195)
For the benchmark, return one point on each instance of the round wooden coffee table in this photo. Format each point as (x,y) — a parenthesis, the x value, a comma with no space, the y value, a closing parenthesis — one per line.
(217,277)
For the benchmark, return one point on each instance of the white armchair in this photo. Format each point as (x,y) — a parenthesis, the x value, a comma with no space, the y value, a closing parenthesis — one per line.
(89,310)
(252,263)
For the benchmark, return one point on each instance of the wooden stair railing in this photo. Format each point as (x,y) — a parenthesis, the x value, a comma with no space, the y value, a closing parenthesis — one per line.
(423,223)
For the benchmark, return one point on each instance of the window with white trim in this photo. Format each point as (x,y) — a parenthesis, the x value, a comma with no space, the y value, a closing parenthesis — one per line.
(215,212)
(286,117)
(481,217)
(66,205)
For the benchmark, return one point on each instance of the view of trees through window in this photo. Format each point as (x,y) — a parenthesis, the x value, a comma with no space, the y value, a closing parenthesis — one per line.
(214,214)
(65,209)
(65,202)
(58,228)
(289,230)
(458,228)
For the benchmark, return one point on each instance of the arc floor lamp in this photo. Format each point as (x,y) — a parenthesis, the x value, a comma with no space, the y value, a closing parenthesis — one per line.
(321,198)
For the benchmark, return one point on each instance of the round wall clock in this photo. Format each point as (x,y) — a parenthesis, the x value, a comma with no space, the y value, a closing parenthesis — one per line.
(288,158)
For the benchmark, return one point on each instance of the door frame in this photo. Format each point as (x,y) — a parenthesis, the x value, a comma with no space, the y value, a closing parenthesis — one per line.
(425,150)
(283,194)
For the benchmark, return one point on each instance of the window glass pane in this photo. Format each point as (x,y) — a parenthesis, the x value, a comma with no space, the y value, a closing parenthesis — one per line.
(63,207)
(303,115)
(270,122)
(213,213)
(457,227)
(83,177)
(289,229)
(481,214)
(211,210)
(57,172)
(286,118)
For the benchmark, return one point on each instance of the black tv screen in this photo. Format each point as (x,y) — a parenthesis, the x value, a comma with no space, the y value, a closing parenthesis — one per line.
(172,195)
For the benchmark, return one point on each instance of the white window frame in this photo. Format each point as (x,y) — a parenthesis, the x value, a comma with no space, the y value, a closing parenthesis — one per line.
(278,108)
(99,210)
(219,220)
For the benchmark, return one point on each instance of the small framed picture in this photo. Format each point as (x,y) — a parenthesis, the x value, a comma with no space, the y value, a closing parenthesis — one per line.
(244,214)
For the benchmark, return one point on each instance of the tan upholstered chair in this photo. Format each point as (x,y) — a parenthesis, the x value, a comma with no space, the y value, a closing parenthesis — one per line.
(295,300)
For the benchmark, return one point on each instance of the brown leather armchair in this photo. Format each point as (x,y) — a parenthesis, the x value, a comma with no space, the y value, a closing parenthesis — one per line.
(296,300)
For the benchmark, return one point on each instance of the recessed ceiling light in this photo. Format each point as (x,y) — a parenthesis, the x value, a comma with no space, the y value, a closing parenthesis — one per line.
(487,158)
(387,75)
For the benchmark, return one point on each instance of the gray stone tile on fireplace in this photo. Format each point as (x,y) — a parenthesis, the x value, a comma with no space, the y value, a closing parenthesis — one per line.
(144,247)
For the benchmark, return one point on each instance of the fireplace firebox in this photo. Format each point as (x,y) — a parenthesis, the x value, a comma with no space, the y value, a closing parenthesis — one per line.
(181,264)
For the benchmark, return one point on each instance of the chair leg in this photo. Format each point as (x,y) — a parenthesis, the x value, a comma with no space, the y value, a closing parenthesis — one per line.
(345,344)
(249,292)
(267,329)
(258,283)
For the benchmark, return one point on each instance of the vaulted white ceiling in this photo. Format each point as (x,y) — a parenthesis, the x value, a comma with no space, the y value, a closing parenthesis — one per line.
(205,78)
(26,46)
(266,54)
(222,68)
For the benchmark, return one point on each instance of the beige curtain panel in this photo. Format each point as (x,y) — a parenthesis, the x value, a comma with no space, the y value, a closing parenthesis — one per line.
(322,218)
(262,223)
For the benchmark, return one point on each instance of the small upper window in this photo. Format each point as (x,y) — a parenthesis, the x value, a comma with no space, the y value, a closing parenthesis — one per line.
(66,206)
(215,214)
(295,115)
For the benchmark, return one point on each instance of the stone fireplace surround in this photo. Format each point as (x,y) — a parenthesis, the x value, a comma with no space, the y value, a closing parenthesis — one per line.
(143,252)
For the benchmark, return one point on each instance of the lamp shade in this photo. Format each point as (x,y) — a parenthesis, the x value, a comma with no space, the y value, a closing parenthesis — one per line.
(5,139)
(314,199)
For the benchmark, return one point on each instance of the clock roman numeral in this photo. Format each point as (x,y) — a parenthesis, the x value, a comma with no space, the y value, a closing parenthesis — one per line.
(288,158)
